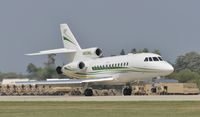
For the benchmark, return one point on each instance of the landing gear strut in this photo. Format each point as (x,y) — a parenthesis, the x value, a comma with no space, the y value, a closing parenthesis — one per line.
(127,91)
(88,92)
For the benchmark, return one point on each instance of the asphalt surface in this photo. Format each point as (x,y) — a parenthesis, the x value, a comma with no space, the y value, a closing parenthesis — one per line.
(102,98)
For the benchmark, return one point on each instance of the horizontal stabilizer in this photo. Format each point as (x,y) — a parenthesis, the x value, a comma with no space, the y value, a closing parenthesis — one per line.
(57,82)
(54,51)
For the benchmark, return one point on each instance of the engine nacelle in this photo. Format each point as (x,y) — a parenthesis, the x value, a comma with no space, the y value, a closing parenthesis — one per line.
(59,70)
(76,66)
(92,52)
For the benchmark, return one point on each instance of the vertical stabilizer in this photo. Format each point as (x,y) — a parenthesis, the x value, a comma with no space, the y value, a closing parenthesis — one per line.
(68,38)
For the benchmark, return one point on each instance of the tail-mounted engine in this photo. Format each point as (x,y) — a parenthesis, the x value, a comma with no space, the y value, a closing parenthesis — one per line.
(75,66)
(81,65)
(92,52)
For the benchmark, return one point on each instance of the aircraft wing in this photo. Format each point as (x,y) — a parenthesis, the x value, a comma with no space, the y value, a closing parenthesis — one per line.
(54,51)
(63,82)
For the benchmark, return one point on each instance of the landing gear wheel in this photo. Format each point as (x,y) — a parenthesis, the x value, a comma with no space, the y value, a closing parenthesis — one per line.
(127,91)
(88,92)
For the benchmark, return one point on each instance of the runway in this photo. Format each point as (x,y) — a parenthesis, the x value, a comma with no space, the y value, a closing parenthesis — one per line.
(102,98)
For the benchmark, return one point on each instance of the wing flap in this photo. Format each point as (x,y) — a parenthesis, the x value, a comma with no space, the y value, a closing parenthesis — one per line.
(62,82)
(97,79)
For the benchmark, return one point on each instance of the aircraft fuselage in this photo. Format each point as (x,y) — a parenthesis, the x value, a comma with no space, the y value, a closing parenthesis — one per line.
(124,69)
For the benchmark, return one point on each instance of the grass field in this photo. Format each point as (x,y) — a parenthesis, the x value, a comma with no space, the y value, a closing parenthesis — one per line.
(99,109)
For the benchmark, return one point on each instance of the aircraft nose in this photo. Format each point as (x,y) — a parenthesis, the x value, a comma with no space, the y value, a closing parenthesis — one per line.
(169,69)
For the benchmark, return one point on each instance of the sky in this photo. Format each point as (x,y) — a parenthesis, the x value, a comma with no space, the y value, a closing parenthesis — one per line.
(26,26)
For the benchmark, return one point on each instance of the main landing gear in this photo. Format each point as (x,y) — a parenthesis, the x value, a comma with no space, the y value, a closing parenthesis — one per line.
(88,92)
(127,91)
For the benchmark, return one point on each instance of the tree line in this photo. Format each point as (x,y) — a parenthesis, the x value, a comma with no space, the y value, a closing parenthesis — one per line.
(187,68)
(37,73)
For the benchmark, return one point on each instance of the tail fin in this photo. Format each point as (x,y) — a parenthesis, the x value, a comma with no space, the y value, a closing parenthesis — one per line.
(71,46)
(68,38)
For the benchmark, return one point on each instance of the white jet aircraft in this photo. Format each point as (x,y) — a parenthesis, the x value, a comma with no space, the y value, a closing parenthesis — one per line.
(87,67)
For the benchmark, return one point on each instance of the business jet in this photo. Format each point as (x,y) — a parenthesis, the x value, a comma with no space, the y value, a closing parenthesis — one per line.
(88,67)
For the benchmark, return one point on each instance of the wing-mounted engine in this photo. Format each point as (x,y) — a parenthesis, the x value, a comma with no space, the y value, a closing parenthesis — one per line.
(92,52)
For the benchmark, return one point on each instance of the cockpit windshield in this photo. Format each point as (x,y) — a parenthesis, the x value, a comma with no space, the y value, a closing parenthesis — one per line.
(160,58)
(153,59)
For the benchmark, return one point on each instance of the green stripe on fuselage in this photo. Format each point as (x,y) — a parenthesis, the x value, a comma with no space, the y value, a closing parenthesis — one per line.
(117,70)
(113,70)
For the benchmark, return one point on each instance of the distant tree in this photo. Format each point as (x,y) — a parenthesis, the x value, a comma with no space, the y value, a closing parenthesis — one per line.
(185,75)
(134,51)
(190,61)
(140,51)
(48,71)
(51,60)
(187,68)
(145,50)
(156,51)
(112,55)
(41,74)
(122,52)
(31,68)
(11,75)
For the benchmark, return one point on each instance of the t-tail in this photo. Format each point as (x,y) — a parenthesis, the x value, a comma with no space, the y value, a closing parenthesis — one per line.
(72,47)
(68,38)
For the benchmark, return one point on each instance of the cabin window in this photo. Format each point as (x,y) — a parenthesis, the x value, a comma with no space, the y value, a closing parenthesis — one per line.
(127,63)
(150,59)
(146,59)
(155,59)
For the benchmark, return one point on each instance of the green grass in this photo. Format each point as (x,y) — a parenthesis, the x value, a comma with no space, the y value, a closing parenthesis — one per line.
(100,109)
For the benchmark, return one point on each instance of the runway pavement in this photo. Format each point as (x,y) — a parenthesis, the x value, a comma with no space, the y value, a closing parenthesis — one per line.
(102,98)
